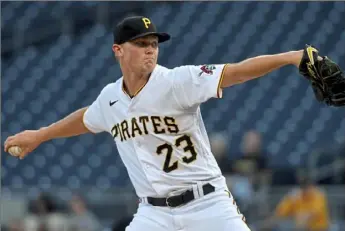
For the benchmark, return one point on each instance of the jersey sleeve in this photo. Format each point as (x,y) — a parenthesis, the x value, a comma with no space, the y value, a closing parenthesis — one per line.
(194,85)
(93,117)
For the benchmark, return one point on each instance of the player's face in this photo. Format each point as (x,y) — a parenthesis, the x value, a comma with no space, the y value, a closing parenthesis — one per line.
(141,54)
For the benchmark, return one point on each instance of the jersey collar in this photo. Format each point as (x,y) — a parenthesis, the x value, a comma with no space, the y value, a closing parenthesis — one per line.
(123,86)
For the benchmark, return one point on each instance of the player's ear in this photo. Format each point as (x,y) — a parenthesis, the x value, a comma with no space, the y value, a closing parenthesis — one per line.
(117,49)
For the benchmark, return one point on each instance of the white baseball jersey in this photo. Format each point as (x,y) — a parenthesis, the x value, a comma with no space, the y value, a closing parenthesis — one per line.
(159,133)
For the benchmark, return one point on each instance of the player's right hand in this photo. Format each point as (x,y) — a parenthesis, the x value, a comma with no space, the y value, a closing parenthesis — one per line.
(27,140)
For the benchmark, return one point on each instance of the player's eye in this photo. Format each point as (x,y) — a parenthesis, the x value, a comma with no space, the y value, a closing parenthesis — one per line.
(146,44)
(139,43)
(154,44)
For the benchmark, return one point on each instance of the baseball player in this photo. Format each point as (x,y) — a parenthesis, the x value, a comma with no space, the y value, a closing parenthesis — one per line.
(153,114)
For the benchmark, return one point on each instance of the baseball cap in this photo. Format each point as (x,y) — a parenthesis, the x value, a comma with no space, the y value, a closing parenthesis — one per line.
(134,27)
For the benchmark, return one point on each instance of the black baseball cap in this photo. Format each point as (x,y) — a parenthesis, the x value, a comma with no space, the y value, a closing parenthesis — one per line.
(134,27)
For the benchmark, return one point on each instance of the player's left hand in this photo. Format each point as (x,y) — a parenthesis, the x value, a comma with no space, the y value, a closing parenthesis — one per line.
(325,76)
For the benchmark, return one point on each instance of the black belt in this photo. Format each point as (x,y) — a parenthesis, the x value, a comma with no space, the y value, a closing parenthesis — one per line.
(178,200)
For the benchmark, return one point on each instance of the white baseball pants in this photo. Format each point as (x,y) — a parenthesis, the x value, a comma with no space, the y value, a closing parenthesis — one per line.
(216,211)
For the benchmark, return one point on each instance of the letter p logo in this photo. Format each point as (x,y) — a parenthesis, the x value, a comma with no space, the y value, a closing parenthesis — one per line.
(147,22)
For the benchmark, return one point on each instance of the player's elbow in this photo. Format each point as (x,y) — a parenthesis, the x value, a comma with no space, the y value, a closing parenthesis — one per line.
(233,75)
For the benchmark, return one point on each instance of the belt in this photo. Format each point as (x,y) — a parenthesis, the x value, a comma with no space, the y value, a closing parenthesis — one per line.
(178,200)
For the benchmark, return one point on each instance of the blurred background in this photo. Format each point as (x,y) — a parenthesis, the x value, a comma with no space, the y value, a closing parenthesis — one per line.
(272,139)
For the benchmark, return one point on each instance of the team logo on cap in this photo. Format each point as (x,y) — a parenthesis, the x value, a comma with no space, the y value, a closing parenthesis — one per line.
(147,22)
(208,69)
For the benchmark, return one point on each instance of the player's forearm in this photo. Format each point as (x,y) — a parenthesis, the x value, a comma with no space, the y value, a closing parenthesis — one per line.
(258,66)
(71,125)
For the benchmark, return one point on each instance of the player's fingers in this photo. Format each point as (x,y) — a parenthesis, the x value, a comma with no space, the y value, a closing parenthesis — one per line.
(10,141)
(8,144)
(23,154)
(10,138)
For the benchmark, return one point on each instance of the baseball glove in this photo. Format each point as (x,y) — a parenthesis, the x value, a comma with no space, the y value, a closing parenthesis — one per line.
(325,76)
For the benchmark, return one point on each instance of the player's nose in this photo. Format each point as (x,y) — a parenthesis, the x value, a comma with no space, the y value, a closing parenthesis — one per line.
(149,50)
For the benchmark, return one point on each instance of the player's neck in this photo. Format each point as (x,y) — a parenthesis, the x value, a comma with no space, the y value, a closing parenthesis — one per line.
(134,81)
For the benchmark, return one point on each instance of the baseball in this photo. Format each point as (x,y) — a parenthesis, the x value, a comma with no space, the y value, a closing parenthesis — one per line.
(15,150)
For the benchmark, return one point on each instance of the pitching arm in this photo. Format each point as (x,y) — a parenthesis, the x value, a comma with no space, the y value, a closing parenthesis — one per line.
(258,66)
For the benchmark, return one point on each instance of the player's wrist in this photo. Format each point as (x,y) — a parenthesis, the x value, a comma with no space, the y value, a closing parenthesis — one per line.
(43,134)
(295,57)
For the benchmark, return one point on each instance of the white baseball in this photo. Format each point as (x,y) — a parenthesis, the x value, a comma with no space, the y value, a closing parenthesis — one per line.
(15,150)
